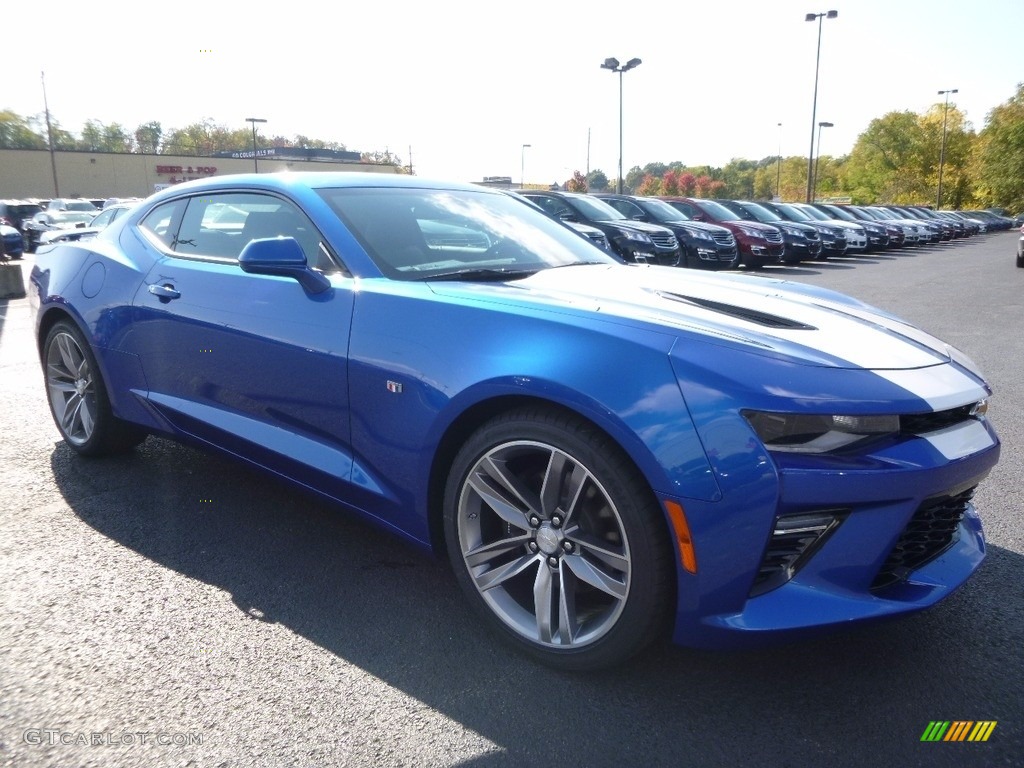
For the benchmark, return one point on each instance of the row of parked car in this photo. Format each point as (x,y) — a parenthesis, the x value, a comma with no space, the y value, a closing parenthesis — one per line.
(725,234)
(26,224)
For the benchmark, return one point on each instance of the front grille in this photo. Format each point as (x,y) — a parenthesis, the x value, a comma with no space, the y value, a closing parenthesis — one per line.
(921,423)
(794,539)
(812,235)
(773,237)
(724,238)
(930,532)
(664,239)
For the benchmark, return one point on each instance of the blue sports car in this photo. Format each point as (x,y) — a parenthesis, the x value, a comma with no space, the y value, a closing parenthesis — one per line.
(608,453)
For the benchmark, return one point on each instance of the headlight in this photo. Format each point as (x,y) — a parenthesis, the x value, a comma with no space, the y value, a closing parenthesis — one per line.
(800,433)
(699,234)
(751,232)
(639,237)
(790,230)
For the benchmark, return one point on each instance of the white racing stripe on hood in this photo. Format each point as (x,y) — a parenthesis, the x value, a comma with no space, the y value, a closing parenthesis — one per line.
(961,440)
(861,338)
(942,387)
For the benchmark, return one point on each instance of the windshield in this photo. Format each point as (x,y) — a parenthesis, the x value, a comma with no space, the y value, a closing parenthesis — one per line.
(814,213)
(416,234)
(792,213)
(717,211)
(760,213)
(593,209)
(71,217)
(838,213)
(80,205)
(662,211)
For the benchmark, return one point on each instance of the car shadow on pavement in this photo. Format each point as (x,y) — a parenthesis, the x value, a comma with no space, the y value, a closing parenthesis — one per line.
(290,558)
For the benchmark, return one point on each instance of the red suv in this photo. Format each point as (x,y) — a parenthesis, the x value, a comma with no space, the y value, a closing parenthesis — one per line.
(758,243)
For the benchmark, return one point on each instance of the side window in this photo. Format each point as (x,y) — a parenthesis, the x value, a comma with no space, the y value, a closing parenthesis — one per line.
(221,225)
(162,222)
(103,219)
(626,208)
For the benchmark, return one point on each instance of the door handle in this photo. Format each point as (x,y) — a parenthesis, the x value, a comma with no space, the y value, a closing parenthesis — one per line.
(164,292)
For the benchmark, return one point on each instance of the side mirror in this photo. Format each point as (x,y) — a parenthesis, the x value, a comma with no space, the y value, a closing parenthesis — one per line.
(567,216)
(281,256)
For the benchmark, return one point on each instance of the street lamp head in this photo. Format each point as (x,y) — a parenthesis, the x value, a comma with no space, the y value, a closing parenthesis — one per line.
(811,17)
(527,145)
(631,63)
(255,120)
(826,125)
(611,64)
(816,16)
(953,90)
(831,14)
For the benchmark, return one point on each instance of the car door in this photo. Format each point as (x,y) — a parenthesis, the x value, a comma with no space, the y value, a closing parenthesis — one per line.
(252,363)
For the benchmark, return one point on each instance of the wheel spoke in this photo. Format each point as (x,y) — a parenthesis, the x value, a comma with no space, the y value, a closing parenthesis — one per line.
(543,586)
(598,549)
(69,354)
(590,573)
(564,479)
(495,486)
(566,606)
(501,574)
(86,416)
(69,418)
(485,553)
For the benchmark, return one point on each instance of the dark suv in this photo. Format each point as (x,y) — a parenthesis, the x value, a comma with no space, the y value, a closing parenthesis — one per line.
(758,243)
(14,213)
(802,241)
(705,246)
(634,241)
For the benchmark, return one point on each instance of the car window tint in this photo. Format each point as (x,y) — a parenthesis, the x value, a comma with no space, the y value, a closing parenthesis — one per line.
(102,219)
(220,226)
(625,207)
(162,222)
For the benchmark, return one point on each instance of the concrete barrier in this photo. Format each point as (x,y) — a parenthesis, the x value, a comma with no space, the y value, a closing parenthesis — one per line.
(12,285)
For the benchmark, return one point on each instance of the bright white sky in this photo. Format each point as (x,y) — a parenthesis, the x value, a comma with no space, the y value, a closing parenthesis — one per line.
(466,83)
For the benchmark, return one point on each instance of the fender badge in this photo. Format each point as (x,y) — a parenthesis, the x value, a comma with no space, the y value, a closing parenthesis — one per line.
(394,387)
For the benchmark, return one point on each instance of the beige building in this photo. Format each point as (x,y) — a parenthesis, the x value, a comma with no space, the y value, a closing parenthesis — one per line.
(98,175)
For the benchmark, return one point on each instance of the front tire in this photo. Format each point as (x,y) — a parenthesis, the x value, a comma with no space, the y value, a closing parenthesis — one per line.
(558,541)
(78,397)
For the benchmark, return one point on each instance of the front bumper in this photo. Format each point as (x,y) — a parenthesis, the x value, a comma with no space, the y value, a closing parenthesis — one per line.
(860,572)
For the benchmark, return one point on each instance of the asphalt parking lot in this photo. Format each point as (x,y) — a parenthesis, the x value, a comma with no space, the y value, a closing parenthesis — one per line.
(173,608)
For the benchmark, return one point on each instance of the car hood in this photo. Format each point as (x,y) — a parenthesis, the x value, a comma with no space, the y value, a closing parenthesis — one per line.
(699,226)
(804,324)
(638,226)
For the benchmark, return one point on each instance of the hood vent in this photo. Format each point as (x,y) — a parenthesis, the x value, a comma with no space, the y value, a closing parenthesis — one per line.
(741,313)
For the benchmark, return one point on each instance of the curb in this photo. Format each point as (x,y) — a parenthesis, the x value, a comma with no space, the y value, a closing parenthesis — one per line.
(12,284)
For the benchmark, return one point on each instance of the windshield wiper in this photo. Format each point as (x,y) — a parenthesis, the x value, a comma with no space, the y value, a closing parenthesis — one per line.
(494,275)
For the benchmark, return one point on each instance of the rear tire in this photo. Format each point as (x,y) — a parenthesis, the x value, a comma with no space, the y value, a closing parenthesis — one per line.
(78,397)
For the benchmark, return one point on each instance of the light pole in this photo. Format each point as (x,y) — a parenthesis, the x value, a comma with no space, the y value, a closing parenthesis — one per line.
(816,159)
(522,166)
(814,106)
(942,152)
(254,120)
(778,168)
(613,66)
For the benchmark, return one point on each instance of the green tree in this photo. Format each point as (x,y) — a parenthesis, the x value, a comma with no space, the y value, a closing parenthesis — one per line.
(597,181)
(17,133)
(1000,155)
(97,137)
(147,137)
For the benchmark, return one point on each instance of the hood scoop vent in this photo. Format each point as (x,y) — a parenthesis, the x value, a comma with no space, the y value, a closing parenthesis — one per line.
(741,313)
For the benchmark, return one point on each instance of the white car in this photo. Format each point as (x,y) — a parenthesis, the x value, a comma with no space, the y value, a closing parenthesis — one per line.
(98,223)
